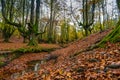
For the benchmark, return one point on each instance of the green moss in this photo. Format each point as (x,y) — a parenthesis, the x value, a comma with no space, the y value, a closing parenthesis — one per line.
(113,37)
(1,57)
(18,52)
(1,60)
(1,63)
(33,50)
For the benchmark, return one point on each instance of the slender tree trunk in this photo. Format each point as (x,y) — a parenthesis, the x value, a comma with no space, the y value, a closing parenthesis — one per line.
(32,41)
(100,17)
(50,33)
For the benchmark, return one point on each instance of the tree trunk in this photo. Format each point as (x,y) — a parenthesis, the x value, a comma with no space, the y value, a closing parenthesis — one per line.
(33,41)
(86,32)
(50,33)
(34,27)
(100,17)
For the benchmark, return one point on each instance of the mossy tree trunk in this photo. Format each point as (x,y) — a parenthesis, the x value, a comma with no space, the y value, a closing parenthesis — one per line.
(34,23)
(7,32)
(33,41)
(88,15)
(32,30)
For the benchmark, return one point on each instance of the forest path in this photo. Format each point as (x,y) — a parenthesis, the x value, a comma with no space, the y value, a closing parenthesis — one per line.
(20,63)
(82,44)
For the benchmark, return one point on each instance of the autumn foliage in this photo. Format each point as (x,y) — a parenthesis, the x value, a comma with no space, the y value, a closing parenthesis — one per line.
(96,64)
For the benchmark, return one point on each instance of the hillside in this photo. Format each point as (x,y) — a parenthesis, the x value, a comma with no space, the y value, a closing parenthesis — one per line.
(62,64)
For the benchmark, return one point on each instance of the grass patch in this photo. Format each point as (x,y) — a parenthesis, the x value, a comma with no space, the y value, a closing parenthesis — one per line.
(1,63)
(33,50)
(2,60)
(112,37)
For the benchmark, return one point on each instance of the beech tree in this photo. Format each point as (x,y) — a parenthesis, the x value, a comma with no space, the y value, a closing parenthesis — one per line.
(8,30)
(21,21)
(88,15)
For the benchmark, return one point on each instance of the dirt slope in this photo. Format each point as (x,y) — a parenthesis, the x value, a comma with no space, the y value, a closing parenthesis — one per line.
(63,60)
(81,44)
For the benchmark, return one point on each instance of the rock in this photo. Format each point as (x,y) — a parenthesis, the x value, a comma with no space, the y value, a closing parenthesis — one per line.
(93,60)
(102,52)
(80,69)
(15,75)
(114,66)
(50,57)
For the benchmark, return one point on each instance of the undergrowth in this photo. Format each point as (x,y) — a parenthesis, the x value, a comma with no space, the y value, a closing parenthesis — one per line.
(18,52)
(33,50)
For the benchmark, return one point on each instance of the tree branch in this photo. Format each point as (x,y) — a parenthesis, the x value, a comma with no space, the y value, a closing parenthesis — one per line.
(4,16)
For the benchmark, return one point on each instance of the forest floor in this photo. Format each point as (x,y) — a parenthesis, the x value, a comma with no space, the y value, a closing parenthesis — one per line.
(62,64)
